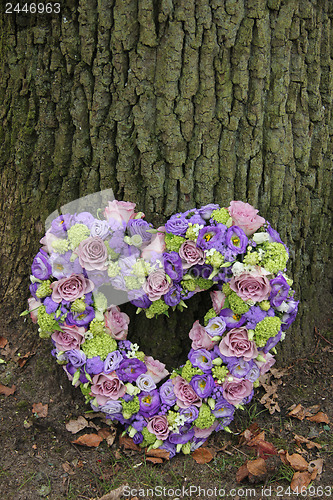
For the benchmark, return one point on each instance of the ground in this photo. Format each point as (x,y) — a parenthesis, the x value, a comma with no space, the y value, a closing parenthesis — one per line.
(40,460)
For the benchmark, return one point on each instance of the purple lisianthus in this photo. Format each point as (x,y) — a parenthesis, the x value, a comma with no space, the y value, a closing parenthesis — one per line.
(190,413)
(50,305)
(99,278)
(137,438)
(173,296)
(33,288)
(216,326)
(279,290)
(150,403)
(129,369)
(85,218)
(236,239)
(272,342)
(177,225)
(211,237)
(202,385)
(253,373)
(167,394)
(170,447)
(201,358)
(81,318)
(94,365)
(70,369)
(254,315)
(76,358)
(100,228)
(290,312)
(223,409)
(184,435)
(112,408)
(41,267)
(206,211)
(60,225)
(232,320)
(145,383)
(140,227)
(139,299)
(273,235)
(173,265)
(112,361)
(240,368)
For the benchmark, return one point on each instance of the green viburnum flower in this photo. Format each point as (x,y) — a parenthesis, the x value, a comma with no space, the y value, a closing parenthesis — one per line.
(44,289)
(148,437)
(79,305)
(46,322)
(188,371)
(222,215)
(97,327)
(220,372)
(60,246)
(132,283)
(203,283)
(76,234)
(186,448)
(141,268)
(209,315)
(188,285)
(192,232)
(173,242)
(85,389)
(237,304)
(113,269)
(171,417)
(157,307)
(275,258)
(268,327)
(101,345)
(140,355)
(264,305)
(101,302)
(226,289)
(130,407)
(216,259)
(111,253)
(205,418)
(251,259)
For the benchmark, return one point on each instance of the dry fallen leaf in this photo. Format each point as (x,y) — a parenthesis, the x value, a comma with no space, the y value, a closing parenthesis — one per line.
(300,481)
(253,469)
(154,460)
(297,462)
(3,342)
(7,391)
(203,455)
(40,410)
(21,360)
(77,425)
(158,453)
(108,435)
(115,494)
(298,411)
(91,440)
(319,418)
(309,444)
(128,443)
(67,468)
(316,465)
(263,448)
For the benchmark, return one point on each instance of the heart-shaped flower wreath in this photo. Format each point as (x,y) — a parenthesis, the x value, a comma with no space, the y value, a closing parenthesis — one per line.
(232,251)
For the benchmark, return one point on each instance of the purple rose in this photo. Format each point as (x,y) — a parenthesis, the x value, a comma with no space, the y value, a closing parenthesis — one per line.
(236,239)
(236,343)
(236,390)
(177,225)
(186,396)
(251,286)
(116,323)
(41,267)
(156,285)
(93,254)
(150,403)
(159,426)
(191,254)
(107,386)
(112,361)
(279,290)
(94,365)
(71,288)
(167,394)
(203,385)
(140,227)
(129,369)
(173,265)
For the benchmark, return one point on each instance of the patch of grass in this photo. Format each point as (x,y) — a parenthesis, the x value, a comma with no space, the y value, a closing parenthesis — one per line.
(284,473)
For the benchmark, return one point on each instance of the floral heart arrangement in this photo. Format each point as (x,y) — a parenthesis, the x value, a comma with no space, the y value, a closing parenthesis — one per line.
(231,251)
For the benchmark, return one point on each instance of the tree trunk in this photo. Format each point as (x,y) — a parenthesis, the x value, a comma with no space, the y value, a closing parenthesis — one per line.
(172,104)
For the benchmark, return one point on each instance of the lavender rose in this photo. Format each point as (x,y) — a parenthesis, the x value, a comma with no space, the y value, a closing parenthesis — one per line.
(191,254)
(185,394)
(155,369)
(159,426)
(167,393)
(251,286)
(200,338)
(71,337)
(218,299)
(107,386)
(235,391)
(245,216)
(236,343)
(116,323)
(156,285)
(71,288)
(121,211)
(93,254)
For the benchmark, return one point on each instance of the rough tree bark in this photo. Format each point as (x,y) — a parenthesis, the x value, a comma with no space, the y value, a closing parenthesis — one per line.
(173,104)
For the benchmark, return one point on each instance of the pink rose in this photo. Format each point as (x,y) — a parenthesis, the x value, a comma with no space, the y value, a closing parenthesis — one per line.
(33,307)
(71,288)
(47,241)
(265,365)
(251,286)
(121,211)
(234,392)
(107,386)
(204,433)
(93,254)
(156,245)
(71,337)
(191,254)
(156,285)
(218,299)
(155,369)
(200,338)
(236,343)
(245,216)
(116,323)
(159,426)
(185,393)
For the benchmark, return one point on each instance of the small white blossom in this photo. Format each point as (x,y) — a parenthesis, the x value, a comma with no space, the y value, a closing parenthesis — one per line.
(260,237)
